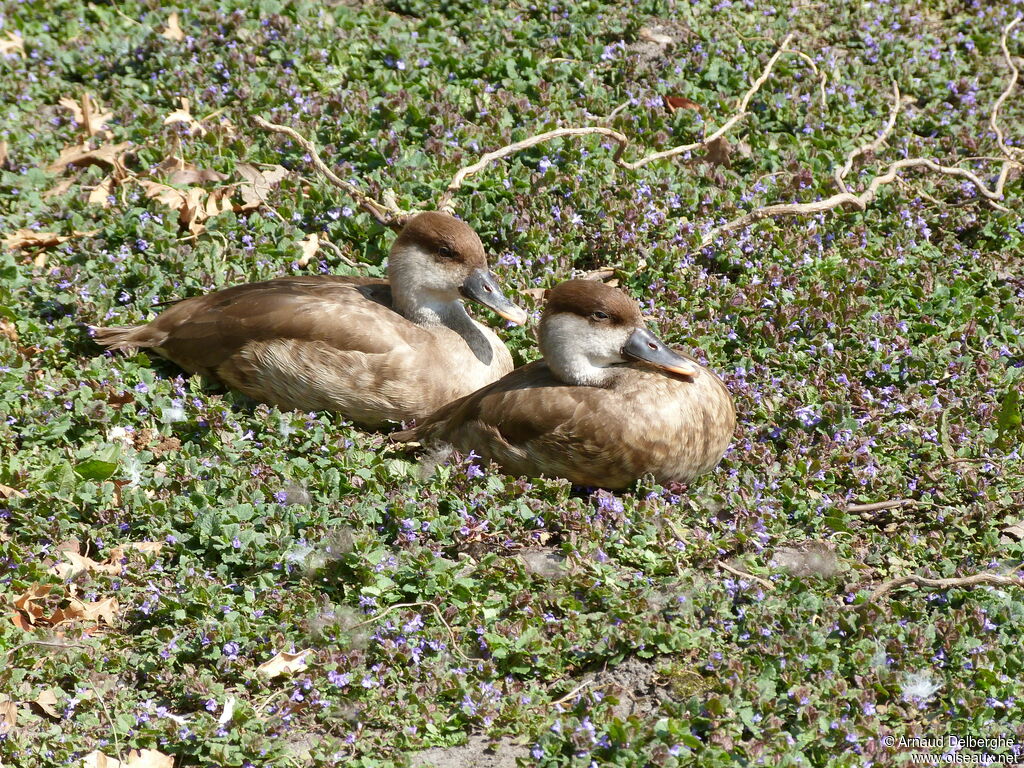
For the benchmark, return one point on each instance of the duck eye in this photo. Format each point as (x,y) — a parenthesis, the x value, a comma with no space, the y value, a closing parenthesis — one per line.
(445,251)
(599,315)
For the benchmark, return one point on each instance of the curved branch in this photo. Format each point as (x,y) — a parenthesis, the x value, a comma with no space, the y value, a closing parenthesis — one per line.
(387,214)
(978,579)
(445,202)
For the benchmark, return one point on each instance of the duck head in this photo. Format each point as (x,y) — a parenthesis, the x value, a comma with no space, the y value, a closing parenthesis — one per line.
(435,262)
(589,327)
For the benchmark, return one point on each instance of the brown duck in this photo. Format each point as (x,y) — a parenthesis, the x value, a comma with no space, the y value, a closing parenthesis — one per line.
(376,351)
(608,403)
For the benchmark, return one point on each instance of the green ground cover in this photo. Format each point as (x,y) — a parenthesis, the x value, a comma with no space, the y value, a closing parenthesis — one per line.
(874,355)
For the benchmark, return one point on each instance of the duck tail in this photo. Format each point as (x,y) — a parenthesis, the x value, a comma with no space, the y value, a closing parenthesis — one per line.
(126,339)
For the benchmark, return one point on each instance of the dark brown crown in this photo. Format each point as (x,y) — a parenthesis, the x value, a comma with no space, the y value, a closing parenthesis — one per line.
(590,298)
(445,237)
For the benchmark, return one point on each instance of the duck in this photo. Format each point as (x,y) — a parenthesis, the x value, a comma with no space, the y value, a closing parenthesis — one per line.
(608,403)
(377,351)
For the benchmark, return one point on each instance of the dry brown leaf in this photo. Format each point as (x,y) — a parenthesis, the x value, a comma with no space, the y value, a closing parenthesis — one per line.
(118,552)
(81,564)
(59,188)
(284,663)
(5,490)
(309,245)
(144,758)
(101,194)
(80,155)
(47,702)
(12,44)
(187,174)
(97,759)
(8,714)
(673,103)
(26,601)
(90,116)
(259,183)
(173,30)
(3,153)
(169,196)
(1014,531)
(105,610)
(719,151)
(654,36)
(27,238)
(183,115)
(217,202)
(19,620)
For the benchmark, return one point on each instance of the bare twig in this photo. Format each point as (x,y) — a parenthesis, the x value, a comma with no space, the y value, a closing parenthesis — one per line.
(871,146)
(573,692)
(878,506)
(388,215)
(445,203)
(978,579)
(861,201)
(822,77)
(1011,152)
(744,575)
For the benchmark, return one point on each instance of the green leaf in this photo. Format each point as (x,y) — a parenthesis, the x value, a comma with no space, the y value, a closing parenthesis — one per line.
(95,469)
(1009,415)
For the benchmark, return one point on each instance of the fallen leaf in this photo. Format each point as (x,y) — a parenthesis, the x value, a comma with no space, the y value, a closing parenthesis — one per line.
(3,153)
(183,115)
(260,182)
(5,490)
(27,238)
(8,714)
(26,601)
(144,758)
(81,564)
(80,155)
(47,702)
(1014,531)
(718,152)
(13,44)
(101,194)
(309,245)
(21,622)
(60,188)
(149,547)
(187,174)
(654,36)
(673,103)
(173,30)
(284,663)
(88,115)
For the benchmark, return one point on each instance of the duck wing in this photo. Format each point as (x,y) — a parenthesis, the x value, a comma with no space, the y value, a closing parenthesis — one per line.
(348,313)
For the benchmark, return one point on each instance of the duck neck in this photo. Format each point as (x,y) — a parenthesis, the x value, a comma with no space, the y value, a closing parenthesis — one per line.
(429,310)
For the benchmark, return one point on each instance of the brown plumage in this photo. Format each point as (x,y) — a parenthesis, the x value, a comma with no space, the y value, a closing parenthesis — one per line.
(604,406)
(376,351)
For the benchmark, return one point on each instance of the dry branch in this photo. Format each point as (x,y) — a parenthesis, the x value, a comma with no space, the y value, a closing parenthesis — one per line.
(871,146)
(822,77)
(861,200)
(977,580)
(744,575)
(387,212)
(1011,152)
(879,506)
(445,203)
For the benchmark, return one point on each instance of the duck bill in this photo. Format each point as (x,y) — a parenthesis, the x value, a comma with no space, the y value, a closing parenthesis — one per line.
(645,346)
(482,287)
